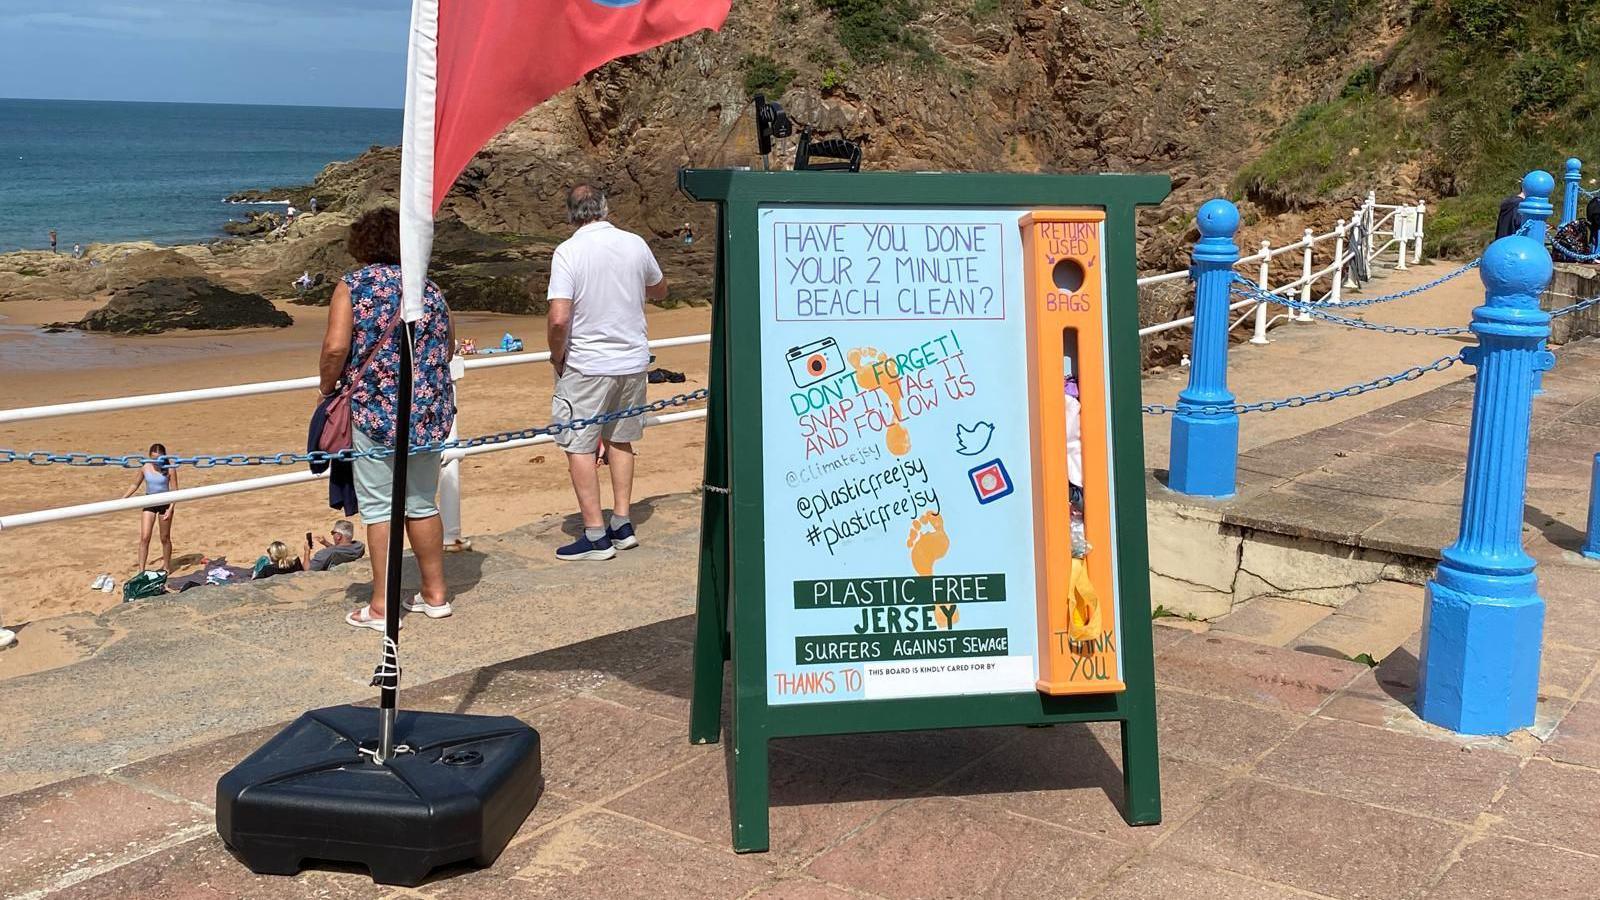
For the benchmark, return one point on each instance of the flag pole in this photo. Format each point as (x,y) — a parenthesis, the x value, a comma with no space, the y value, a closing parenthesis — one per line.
(416,245)
(388,675)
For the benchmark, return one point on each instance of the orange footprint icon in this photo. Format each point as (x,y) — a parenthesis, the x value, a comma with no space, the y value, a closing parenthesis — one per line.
(928,542)
(875,371)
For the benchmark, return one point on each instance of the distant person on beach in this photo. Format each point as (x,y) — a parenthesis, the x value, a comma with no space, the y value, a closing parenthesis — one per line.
(291,212)
(156,477)
(77,251)
(313,206)
(303,283)
(280,560)
(1508,221)
(600,279)
(52,240)
(363,328)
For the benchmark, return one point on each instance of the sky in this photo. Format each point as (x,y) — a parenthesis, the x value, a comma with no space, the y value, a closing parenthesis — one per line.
(291,52)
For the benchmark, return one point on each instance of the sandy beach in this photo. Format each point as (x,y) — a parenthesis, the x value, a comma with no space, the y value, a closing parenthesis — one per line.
(48,568)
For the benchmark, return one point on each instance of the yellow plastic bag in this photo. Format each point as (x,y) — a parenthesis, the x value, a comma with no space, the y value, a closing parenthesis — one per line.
(1085,605)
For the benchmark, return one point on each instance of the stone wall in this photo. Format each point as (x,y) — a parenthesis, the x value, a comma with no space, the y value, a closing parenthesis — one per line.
(1573,282)
(1202,567)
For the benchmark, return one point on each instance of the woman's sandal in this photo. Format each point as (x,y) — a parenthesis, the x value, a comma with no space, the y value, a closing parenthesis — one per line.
(417,604)
(362,618)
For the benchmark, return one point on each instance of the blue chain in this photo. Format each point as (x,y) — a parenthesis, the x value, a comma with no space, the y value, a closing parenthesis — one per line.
(1578,307)
(106,460)
(1571,254)
(1376,384)
(1247,288)
(1410,292)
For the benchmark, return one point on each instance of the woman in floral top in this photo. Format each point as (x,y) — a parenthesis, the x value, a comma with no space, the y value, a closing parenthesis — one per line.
(365,305)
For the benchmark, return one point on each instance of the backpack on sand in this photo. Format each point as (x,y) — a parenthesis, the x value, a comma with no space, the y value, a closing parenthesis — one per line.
(144,585)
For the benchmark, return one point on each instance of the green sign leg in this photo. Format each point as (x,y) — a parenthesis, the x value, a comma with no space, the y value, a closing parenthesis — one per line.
(1141,771)
(749,787)
(711,634)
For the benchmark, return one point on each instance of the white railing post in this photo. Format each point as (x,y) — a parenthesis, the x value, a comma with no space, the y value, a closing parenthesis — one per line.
(1402,237)
(1354,227)
(1305,276)
(450,470)
(1336,294)
(1416,232)
(1263,279)
(1372,222)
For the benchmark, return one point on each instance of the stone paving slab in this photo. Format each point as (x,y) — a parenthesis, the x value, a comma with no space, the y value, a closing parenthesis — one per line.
(1314,842)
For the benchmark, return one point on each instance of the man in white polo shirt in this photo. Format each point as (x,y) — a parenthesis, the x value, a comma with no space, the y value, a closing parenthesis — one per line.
(600,279)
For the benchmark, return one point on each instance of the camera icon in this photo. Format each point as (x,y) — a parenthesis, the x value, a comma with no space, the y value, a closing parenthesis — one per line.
(814,362)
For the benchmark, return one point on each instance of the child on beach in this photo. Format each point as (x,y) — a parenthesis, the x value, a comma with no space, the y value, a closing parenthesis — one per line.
(156,477)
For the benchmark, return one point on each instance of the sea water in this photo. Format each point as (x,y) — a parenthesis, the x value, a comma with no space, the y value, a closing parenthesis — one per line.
(102,171)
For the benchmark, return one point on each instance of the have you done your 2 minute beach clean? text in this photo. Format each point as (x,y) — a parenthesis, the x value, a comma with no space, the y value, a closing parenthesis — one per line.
(864,270)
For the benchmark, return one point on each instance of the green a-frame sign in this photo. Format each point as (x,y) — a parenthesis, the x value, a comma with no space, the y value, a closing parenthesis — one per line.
(797,269)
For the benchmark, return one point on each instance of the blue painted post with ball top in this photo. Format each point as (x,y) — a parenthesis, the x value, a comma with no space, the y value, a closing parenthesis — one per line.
(1205,446)
(1484,621)
(1573,176)
(1533,213)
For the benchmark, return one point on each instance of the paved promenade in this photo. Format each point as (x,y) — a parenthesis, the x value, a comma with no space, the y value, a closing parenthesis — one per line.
(1287,771)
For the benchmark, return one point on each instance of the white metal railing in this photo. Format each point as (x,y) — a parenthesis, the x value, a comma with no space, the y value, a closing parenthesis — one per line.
(1407,228)
(85,510)
(272,387)
(1404,222)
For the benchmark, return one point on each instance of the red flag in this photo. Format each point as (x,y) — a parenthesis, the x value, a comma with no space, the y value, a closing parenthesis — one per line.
(475,66)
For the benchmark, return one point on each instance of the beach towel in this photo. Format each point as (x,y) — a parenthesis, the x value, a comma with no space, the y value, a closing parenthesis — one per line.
(210,572)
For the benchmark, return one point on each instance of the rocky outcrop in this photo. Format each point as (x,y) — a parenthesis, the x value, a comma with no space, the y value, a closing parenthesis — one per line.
(182,302)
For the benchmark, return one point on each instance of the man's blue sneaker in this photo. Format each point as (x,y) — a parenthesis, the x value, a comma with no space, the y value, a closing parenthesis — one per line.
(583,548)
(622,538)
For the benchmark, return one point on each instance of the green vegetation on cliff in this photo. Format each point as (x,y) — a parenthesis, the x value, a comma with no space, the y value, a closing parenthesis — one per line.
(1477,93)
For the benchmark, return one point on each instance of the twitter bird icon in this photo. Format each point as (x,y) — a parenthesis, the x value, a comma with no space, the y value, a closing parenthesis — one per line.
(973,441)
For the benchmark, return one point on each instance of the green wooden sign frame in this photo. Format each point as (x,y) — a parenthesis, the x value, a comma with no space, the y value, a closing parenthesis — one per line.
(731,603)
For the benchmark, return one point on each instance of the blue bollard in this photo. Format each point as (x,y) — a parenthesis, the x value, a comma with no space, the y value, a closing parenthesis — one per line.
(1535,207)
(1484,621)
(1569,200)
(1205,448)
(1591,546)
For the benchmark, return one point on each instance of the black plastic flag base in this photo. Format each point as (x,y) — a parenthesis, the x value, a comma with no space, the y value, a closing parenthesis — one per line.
(458,792)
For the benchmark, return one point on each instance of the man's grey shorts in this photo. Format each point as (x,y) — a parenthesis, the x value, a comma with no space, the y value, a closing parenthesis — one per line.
(580,396)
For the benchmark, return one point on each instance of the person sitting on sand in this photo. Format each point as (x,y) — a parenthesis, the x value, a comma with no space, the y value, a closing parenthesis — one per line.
(344,548)
(156,477)
(279,561)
